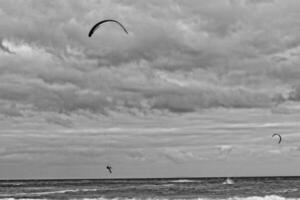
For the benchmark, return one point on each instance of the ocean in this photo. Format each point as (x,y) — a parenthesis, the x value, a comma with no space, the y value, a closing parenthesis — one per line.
(251,188)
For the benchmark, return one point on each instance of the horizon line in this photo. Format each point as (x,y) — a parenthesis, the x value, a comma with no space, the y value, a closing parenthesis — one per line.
(204,177)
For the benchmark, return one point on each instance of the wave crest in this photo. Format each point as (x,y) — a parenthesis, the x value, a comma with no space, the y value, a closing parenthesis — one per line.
(269,197)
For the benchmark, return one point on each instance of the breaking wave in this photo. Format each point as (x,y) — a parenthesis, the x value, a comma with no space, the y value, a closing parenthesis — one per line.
(269,197)
(184,181)
(46,193)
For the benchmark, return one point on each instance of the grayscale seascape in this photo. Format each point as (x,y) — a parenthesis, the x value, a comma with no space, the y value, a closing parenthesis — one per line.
(119,99)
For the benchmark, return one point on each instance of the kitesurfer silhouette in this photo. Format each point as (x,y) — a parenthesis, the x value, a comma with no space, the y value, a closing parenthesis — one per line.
(109,168)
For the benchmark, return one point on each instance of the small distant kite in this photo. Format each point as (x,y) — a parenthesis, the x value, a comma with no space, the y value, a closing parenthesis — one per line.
(109,168)
(96,26)
(275,134)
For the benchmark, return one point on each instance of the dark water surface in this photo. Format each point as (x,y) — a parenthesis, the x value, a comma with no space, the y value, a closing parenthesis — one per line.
(182,188)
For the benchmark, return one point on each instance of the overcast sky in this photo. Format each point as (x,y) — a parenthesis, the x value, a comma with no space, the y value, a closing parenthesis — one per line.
(197,88)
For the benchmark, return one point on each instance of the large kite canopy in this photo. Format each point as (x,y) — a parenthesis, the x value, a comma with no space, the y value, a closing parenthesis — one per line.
(96,26)
(275,134)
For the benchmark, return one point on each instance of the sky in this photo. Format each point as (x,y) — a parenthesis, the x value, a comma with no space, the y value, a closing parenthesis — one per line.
(196,88)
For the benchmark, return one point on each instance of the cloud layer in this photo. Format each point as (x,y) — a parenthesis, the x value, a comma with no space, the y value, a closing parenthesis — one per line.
(182,58)
(187,72)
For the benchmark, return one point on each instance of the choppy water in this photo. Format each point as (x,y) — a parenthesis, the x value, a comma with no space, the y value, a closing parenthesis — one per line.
(278,188)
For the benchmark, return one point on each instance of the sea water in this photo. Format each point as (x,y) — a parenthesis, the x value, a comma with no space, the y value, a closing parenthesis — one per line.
(252,188)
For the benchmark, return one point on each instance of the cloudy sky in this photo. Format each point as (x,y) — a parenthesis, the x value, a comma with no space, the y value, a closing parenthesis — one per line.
(197,88)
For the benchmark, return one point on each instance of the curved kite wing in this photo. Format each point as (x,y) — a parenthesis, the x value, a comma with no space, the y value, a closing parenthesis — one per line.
(96,26)
(275,134)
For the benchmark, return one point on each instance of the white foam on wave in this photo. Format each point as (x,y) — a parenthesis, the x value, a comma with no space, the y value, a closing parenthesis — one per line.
(287,190)
(39,193)
(47,192)
(183,181)
(228,181)
(20,199)
(270,197)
